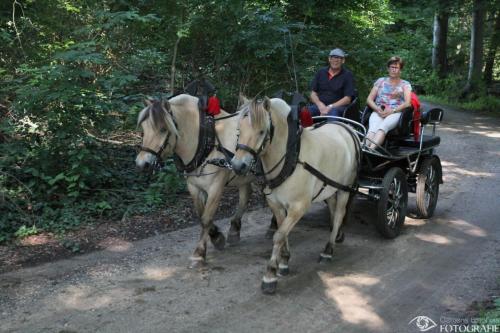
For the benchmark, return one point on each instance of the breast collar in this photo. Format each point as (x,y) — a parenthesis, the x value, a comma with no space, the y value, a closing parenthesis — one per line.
(206,143)
(291,155)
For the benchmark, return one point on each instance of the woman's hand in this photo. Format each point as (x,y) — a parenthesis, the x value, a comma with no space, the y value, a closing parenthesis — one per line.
(386,112)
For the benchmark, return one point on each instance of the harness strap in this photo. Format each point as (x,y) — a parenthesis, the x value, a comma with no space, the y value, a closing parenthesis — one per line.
(325,179)
(319,192)
(206,143)
(291,156)
(229,116)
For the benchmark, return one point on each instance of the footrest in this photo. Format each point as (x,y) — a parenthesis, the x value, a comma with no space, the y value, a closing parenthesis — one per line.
(428,142)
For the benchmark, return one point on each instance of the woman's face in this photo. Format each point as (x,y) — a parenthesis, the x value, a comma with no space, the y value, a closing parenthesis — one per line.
(394,70)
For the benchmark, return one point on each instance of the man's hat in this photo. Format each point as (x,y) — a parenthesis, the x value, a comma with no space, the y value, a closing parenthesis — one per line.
(337,53)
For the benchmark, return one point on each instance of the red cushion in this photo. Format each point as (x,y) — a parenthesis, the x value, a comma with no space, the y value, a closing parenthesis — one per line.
(213,105)
(305,117)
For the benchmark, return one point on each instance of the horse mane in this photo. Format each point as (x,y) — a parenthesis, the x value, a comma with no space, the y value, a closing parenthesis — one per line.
(157,113)
(257,110)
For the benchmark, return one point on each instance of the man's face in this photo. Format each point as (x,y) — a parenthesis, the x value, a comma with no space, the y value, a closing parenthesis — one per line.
(336,62)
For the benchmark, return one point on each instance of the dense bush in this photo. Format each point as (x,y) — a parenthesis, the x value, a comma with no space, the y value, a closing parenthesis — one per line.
(73,74)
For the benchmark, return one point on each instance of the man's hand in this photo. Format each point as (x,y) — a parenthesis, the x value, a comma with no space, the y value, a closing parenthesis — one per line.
(325,109)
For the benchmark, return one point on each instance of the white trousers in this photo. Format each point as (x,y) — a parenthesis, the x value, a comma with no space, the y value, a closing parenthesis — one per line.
(376,122)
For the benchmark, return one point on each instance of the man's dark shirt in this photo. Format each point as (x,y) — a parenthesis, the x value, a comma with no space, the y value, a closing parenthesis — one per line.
(330,91)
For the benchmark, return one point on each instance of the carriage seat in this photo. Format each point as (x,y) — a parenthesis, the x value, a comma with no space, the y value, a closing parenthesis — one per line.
(433,117)
(352,110)
(403,129)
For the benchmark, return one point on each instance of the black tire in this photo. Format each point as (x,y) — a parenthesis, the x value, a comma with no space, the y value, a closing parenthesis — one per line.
(428,187)
(392,204)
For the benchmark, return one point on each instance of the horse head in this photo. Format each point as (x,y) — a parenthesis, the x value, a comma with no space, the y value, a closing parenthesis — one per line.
(159,134)
(255,130)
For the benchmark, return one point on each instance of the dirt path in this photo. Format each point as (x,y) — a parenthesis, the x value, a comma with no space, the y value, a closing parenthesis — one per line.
(436,268)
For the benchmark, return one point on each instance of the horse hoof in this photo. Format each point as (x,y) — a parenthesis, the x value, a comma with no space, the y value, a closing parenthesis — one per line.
(269,288)
(219,241)
(283,271)
(197,263)
(233,238)
(324,258)
(270,233)
(340,237)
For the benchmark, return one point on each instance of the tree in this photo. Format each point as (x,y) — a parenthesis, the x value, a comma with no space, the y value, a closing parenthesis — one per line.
(439,43)
(476,47)
(490,56)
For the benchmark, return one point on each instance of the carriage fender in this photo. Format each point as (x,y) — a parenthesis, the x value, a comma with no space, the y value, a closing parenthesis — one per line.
(440,168)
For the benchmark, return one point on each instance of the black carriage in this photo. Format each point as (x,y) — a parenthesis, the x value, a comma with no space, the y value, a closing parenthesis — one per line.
(407,162)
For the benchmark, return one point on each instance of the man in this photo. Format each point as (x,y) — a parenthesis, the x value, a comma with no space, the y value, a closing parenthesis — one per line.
(332,87)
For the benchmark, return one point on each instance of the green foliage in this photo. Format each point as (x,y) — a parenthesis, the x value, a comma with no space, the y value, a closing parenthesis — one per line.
(484,103)
(75,71)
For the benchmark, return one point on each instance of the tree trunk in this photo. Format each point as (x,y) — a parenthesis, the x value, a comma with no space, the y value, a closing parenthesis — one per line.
(439,43)
(476,47)
(490,56)
(172,69)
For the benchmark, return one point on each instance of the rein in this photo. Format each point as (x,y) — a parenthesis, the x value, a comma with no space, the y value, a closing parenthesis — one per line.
(206,143)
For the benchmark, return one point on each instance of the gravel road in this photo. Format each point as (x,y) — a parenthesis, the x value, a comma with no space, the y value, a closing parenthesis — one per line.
(435,268)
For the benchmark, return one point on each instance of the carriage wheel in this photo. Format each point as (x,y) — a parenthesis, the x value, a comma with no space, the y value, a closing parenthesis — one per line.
(392,203)
(428,187)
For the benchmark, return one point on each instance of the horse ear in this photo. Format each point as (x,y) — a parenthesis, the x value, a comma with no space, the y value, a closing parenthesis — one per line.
(242,99)
(148,102)
(266,103)
(166,105)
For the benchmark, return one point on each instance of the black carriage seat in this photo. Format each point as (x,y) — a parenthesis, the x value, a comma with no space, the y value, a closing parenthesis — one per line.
(352,110)
(429,117)
(402,135)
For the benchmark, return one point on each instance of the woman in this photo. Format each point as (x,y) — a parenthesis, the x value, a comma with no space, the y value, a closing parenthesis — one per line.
(388,97)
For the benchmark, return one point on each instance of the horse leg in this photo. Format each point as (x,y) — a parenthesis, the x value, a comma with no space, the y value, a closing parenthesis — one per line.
(283,269)
(347,216)
(213,199)
(280,238)
(272,228)
(337,205)
(208,229)
(233,236)
(199,198)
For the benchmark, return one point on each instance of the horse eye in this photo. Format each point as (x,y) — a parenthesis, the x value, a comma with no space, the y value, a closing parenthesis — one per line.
(163,130)
(261,132)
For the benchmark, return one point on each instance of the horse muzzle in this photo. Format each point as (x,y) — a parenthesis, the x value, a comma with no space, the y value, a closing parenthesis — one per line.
(145,162)
(241,166)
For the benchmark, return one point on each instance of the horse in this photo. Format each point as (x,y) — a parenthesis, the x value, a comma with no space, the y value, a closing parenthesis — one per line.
(200,144)
(325,167)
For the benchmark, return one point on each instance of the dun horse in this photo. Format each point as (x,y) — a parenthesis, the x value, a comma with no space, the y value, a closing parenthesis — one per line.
(199,144)
(324,168)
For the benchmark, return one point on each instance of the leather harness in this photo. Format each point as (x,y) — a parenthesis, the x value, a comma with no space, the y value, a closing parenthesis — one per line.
(292,158)
(206,143)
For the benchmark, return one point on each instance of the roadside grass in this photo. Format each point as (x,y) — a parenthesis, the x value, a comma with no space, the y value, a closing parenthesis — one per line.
(487,104)
(489,314)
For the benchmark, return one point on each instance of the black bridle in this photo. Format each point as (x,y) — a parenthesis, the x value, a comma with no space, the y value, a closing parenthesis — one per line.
(268,138)
(158,159)
(158,163)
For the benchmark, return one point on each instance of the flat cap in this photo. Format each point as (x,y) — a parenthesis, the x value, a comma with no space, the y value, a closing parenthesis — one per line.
(337,53)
